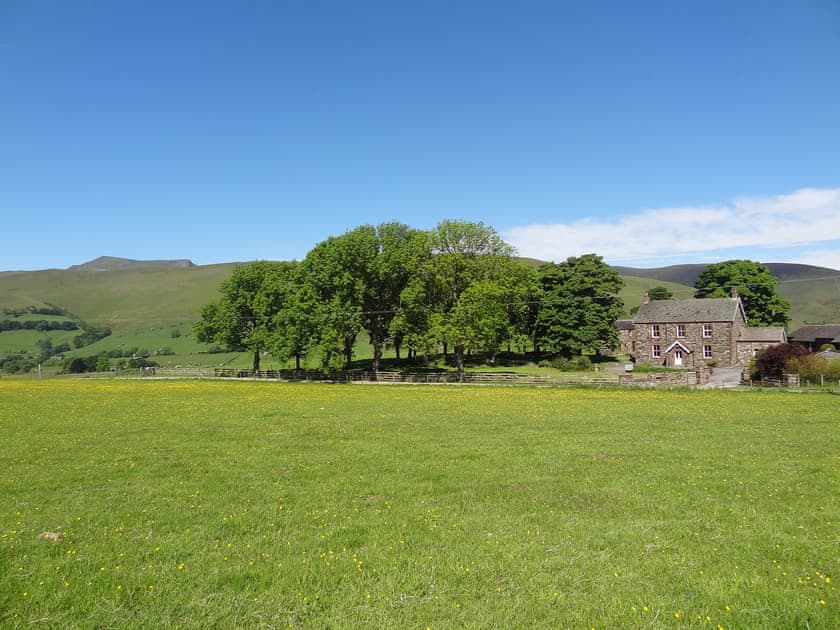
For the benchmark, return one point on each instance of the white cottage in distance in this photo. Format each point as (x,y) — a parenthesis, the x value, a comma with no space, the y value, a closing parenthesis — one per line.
(695,332)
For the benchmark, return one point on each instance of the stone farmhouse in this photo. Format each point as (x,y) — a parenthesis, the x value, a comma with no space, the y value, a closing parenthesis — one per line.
(694,333)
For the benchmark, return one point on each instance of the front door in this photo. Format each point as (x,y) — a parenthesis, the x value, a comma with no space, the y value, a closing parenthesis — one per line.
(677,358)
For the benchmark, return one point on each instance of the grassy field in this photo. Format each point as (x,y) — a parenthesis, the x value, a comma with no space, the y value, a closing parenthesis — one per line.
(214,504)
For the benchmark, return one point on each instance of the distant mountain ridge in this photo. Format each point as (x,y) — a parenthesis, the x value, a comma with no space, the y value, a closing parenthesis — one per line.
(111,263)
(688,274)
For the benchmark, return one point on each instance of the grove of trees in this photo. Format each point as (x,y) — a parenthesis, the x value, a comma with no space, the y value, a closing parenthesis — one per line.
(456,289)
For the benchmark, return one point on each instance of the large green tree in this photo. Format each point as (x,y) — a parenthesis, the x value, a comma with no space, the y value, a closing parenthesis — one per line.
(332,271)
(470,285)
(494,312)
(400,253)
(243,316)
(413,323)
(755,285)
(358,278)
(580,304)
(296,322)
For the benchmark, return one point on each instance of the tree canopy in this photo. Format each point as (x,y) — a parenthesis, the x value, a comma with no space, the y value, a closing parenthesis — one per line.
(358,279)
(472,283)
(755,285)
(244,316)
(580,304)
(659,293)
(297,319)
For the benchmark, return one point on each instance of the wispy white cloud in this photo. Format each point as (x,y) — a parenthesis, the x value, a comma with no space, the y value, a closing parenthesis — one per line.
(805,220)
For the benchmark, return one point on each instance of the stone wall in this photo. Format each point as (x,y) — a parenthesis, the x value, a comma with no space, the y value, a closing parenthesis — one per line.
(625,342)
(746,350)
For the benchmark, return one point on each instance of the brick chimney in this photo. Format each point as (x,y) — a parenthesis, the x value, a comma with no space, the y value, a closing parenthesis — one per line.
(734,293)
(646,299)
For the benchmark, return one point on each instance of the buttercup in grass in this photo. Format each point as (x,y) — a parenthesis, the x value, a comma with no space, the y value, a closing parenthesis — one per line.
(640,506)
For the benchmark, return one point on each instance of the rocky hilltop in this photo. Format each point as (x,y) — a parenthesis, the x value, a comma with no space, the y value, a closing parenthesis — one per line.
(110,263)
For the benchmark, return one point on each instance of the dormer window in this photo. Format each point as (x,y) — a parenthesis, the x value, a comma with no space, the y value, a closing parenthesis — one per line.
(654,331)
(707,330)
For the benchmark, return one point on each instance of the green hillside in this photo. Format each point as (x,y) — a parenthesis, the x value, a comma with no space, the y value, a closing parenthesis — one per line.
(635,286)
(123,299)
(815,301)
(150,309)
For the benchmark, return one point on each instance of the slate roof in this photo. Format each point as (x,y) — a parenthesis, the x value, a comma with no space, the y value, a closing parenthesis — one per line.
(772,334)
(813,332)
(686,311)
(623,324)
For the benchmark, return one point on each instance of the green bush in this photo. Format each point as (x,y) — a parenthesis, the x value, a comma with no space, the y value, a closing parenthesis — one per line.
(771,363)
(811,367)
(563,364)
(79,365)
(18,365)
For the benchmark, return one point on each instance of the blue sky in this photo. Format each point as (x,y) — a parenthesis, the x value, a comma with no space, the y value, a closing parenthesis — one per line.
(651,133)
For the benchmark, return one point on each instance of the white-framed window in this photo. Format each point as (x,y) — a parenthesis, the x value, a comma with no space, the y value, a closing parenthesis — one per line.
(680,330)
(707,352)
(707,330)
(654,331)
(655,352)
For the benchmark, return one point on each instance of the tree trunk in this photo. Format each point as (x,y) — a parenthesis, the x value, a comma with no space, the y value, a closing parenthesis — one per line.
(459,362)
(376,342)
(256,367)
(297,361)
(348,352)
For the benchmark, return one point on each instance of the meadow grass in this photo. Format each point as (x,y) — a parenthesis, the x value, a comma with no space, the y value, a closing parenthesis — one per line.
(197,504)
